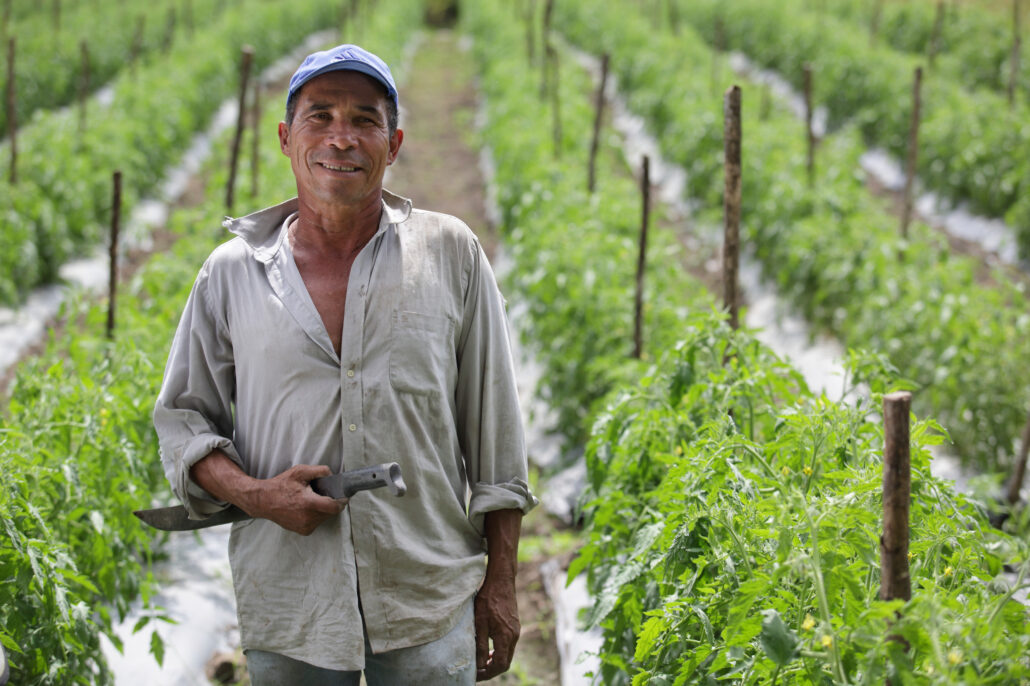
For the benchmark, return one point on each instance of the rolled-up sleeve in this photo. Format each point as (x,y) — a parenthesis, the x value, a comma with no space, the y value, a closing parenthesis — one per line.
(489,421)
(193,413)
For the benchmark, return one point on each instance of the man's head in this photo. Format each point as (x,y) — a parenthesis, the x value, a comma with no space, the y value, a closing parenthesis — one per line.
(344,57)
(340,131)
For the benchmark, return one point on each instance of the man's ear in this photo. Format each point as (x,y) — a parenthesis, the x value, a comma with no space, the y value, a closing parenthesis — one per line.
(284,138)
(395,145)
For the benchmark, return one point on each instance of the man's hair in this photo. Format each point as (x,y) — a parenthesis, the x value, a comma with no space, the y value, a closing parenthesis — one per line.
(392,116)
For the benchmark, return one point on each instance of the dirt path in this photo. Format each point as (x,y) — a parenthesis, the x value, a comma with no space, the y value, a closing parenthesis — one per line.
(439,170)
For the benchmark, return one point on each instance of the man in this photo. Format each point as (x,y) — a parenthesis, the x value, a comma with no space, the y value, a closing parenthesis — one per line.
(343,329)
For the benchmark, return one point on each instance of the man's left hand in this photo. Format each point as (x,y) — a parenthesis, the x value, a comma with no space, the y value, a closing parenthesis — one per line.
(497,620)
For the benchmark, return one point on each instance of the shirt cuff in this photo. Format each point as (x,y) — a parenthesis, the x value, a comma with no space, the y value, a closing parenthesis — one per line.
(198,502)
(513,495)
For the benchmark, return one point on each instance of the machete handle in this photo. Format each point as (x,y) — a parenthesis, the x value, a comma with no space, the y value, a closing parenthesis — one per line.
(346,484)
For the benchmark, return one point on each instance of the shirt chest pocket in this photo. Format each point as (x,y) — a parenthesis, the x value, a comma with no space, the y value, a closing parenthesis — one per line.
(422,358)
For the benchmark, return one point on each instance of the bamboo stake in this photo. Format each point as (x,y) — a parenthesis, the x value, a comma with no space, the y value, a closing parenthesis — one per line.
(1014,60)
(255,141)
(1019,468)
(895,582)
(556,128)
(598,115)
(874,24)
(545,37)
(913,153)
(638,309)
(935,37)
(84,85)
(731,202)
(248,58)
(12,111)
(112,284)
(808,125)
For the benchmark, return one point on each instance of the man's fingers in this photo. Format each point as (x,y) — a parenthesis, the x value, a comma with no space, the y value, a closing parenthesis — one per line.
(482,640)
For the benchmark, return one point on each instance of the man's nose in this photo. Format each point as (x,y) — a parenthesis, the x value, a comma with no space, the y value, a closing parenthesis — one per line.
(342,134)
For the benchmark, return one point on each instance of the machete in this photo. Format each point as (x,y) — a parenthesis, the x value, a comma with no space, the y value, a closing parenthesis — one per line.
(342,485)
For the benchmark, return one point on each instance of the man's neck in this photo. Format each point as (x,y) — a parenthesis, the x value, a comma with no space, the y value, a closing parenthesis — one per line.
(338,231)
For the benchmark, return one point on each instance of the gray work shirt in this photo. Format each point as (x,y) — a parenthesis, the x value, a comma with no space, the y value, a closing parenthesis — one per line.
(424,378)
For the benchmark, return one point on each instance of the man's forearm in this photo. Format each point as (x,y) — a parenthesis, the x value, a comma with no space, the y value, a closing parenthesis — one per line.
(224,479)
(502,528)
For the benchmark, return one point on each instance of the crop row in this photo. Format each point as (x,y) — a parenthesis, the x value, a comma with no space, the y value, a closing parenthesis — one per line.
(62,200)
(50,69)
(973,45)
(78,450)
(732,516)
(832,248)
(972,145)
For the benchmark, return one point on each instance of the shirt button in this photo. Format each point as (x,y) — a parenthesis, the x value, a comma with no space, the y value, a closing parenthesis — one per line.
(350,373)
(353,427)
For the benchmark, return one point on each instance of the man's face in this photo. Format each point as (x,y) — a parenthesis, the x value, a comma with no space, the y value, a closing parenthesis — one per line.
(339,143)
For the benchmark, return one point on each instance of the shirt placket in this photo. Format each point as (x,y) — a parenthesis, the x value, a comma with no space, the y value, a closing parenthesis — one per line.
(352,356)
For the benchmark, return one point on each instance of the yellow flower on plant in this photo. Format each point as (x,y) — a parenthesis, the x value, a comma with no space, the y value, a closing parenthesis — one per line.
(948,571)
(807,471)
(809,623)
(954,657)
(679,450)
(785,471)
(827,641)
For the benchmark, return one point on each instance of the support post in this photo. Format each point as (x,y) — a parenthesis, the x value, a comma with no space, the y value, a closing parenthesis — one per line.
(112,284)
(137,43)
(555,98)
(808,125)
(731,203)
(598,117)
(247,53)
(895,581)
(545,39)
(1016,47)
(84,85)
(913,153)
(638,309)
(12,111)
(1019,468)
(255,141)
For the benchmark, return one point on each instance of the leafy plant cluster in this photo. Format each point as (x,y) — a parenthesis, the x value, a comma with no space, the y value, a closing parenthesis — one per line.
(62,202)
(732,515)
(972,145)
(974,46)
(49,66)
(832,248)
(77,447)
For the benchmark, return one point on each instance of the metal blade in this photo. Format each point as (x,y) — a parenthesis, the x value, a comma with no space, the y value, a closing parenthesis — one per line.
(174,518)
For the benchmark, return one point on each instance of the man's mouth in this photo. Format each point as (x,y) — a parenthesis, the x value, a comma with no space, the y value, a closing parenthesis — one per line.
(339,167)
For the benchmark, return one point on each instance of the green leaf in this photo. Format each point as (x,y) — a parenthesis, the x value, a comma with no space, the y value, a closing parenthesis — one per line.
(157,647)
(778,641)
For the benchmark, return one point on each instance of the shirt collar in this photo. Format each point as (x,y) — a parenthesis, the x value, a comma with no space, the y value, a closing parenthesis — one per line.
(261,229)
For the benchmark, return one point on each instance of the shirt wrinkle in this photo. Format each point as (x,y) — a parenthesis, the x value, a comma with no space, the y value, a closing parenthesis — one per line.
(424,378)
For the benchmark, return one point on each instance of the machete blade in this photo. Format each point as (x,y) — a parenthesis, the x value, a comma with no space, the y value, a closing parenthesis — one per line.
(174,518)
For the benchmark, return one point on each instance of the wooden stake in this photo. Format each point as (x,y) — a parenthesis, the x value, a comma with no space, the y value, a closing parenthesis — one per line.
(808,125)
(255,141)
(674,17)
(137,43)
(545,38)
(12,111)
(895,582)
(1014,60)
(1019,468)
(169,38)
(530,37)
(57,16)
(84,85)
(112,284)
(638,309)
(874,24)
(556,128)
(7,16)
(935,37)
(248,58)
(187,13)
(598,116)
(731,202)
(913,153)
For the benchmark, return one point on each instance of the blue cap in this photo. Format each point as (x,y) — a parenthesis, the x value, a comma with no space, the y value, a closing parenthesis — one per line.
(343,57)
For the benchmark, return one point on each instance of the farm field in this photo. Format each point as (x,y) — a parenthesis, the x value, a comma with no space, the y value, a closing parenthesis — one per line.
(729,525)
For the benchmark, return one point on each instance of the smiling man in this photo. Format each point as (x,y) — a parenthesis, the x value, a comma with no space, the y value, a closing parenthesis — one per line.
(342,329)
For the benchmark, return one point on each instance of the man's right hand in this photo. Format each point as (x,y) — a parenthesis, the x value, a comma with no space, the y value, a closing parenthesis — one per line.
(286,499)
